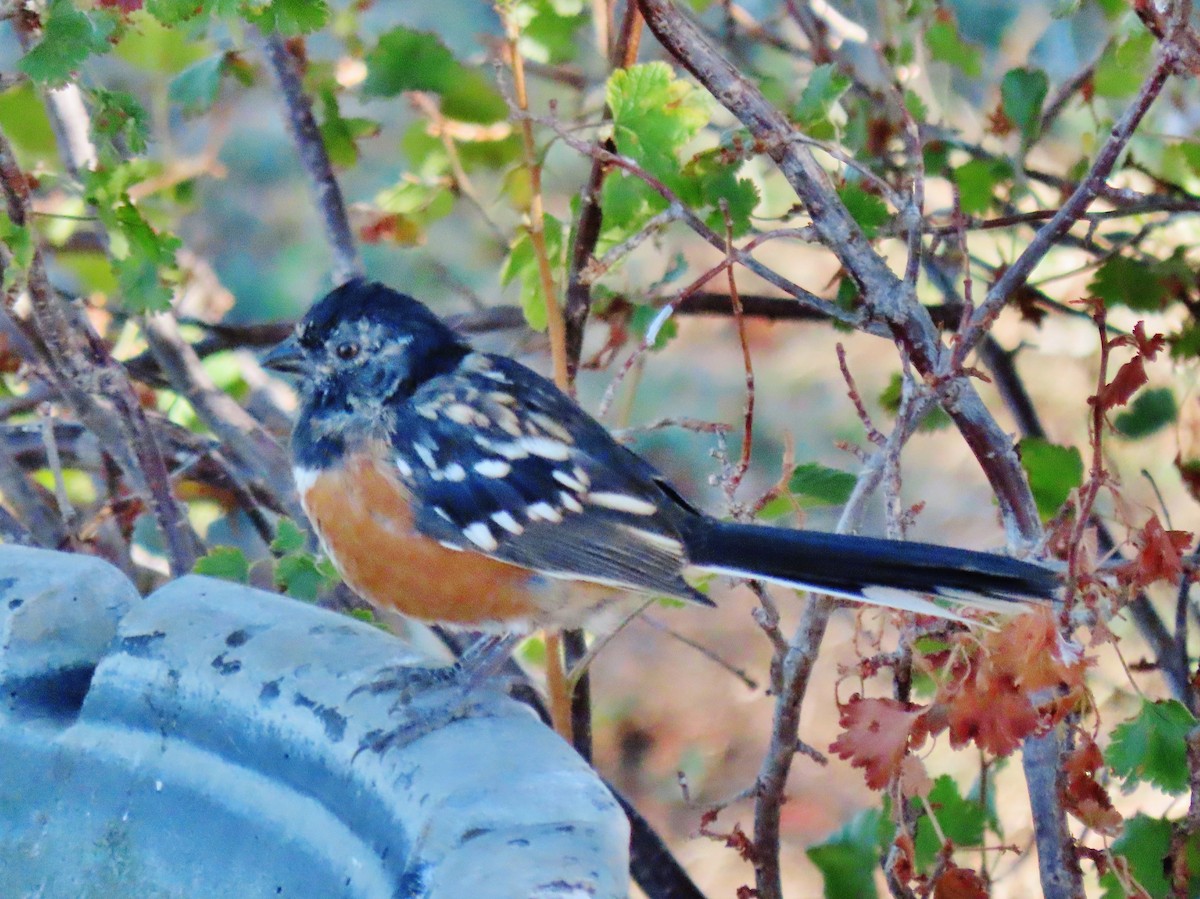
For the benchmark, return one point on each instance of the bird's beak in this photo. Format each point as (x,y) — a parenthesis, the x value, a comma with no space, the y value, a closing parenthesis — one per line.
(286,356)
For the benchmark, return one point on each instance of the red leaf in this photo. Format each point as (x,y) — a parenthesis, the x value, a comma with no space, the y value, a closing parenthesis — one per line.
(1117,392)
(1147,346)
(997,718)
(1028,651)
(1160,555)
(736,839)
(959,883)
(903,858)
(875,736)
(1083,796)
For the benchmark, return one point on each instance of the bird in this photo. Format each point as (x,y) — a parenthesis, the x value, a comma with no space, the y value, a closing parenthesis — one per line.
(462,488)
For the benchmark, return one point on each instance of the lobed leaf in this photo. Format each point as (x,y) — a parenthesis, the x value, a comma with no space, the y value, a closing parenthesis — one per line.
(1152,746)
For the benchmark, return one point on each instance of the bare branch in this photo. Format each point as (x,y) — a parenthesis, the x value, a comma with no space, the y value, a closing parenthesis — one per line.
(1070,212)
(347,263)
(244,437)
(885,295)
(95,386)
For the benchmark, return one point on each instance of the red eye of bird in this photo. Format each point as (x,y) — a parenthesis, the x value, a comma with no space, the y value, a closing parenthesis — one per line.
(346,351)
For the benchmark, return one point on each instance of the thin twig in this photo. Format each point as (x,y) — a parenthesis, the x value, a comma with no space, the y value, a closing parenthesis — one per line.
(95,386)
(729,667)
(241,434)
(886,297)
(578,301)
(347,263)
(743,465)
(1088,189)
(66,511)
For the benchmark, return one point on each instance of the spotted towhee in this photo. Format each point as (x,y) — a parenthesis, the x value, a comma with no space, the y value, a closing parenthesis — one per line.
(462,488)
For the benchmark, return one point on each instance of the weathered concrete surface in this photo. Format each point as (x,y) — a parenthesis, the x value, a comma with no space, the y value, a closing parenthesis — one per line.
(216,752)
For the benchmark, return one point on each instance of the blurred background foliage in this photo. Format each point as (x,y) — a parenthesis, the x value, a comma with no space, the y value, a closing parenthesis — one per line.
(197,202)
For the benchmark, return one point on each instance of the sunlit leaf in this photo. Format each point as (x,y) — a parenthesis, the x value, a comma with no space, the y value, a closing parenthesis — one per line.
(1122,66)
(977,180)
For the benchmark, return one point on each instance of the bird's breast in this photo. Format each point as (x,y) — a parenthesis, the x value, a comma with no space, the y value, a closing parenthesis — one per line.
(363,516)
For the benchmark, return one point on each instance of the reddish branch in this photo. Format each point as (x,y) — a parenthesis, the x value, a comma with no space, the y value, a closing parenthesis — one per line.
(587,228)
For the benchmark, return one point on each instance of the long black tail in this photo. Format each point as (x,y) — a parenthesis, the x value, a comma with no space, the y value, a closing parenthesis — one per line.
(882,572)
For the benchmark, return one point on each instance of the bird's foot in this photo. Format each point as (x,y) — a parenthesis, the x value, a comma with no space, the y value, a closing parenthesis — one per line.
(429,699)
(409,682)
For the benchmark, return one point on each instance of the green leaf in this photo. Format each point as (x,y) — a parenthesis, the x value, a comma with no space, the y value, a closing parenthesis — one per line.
(176,12)
(533,650)
(945,45)
(120,125)
(288,17)
(160,49)
(962,821)
(141,256)
(23,119)
(1151,411)
(195,88)
(818,485)
(289,537)
(1053,471)
(366,616)
(1122,66)
(407,60)
(1144,842)
(717,181)
(69,36)
(1022,93)
(977,180)
(1152,747)
(226,562)
(19,241)
(548,28)
(935,419)
(413,206)
(865,208)
(824,88)
(849,858)
(341,135)
(627,202)
(654,114)
(300,576)
(522,266)
(1186,343)
(1129,282)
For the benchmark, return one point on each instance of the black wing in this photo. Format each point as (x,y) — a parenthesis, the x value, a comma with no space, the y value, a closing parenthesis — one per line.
(501,462)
